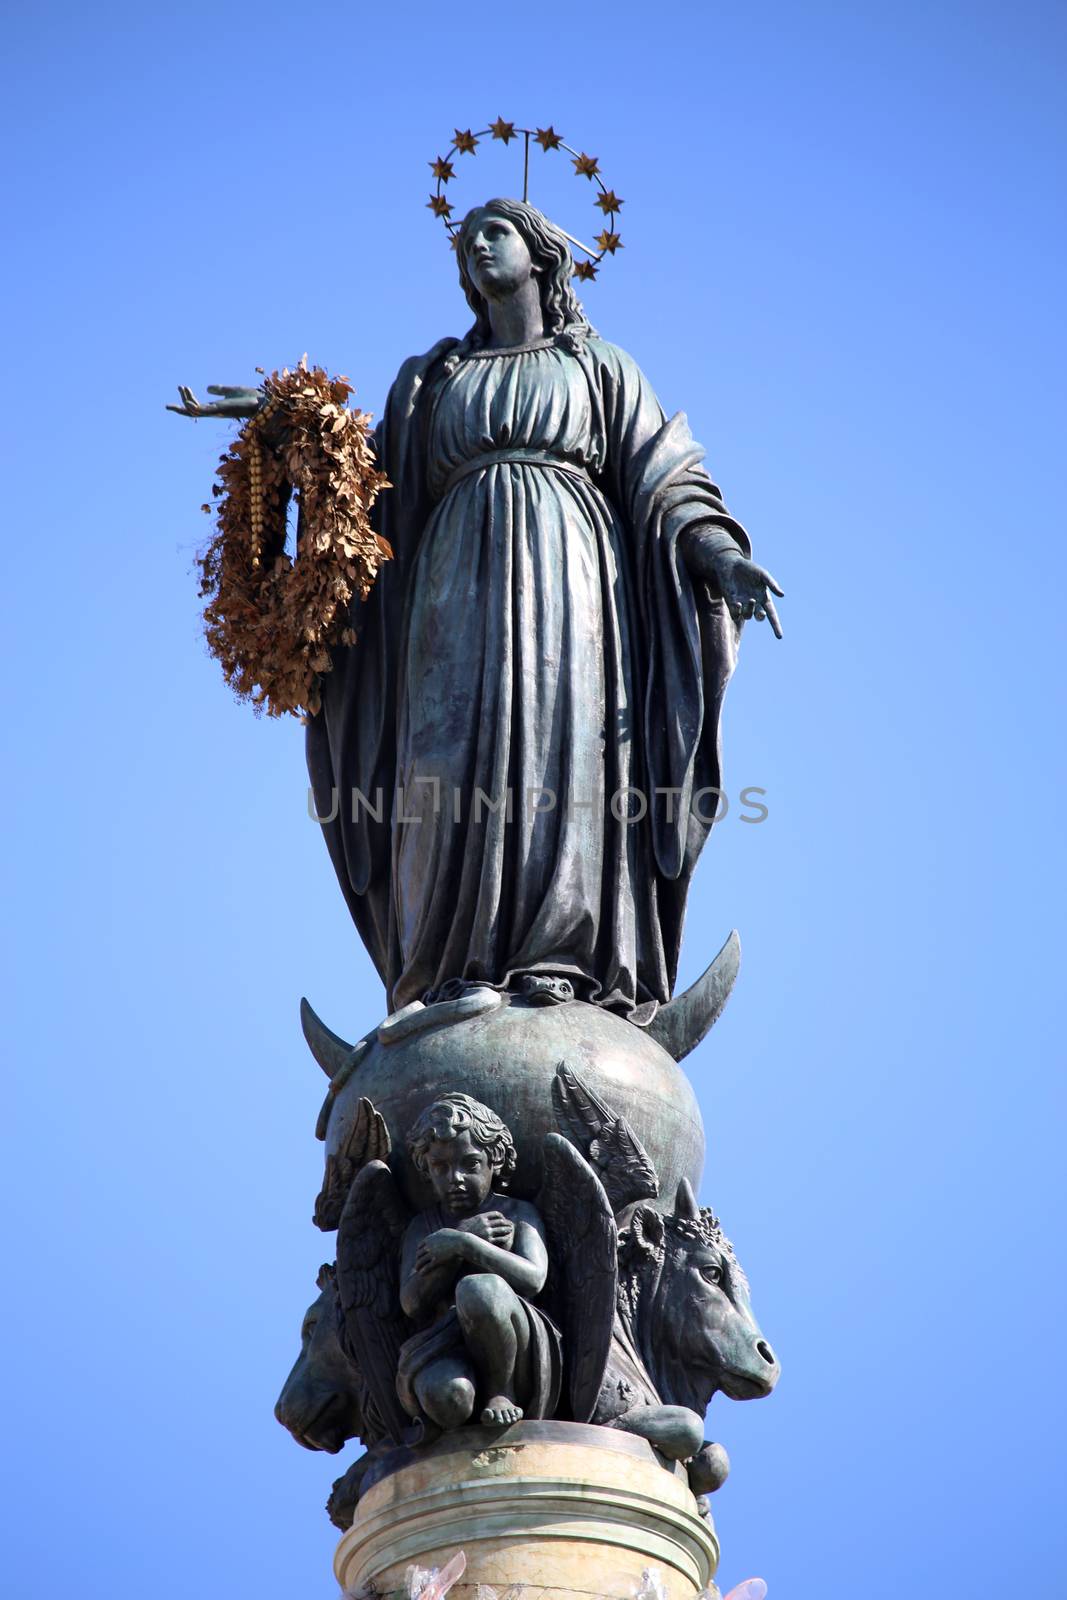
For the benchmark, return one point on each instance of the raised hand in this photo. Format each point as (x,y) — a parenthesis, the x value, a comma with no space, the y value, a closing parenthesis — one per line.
(235,402)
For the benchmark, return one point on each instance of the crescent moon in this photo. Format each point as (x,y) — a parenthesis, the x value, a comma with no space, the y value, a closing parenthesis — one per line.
(683,1022)
(329,1049)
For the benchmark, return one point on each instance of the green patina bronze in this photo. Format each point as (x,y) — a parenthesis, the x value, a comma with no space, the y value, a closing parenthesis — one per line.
(511,769)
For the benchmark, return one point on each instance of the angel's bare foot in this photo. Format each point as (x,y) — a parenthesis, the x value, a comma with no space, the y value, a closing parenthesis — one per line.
(501,1412)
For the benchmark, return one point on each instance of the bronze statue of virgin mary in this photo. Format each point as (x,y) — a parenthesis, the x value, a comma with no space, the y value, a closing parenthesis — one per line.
(514,758)
(533,702)
(516,765)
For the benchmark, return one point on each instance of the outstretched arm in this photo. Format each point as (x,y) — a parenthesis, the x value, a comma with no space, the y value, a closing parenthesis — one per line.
(235,402)
(651,459)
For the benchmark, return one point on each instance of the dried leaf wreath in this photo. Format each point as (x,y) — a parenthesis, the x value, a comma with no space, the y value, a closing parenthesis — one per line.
(270,621)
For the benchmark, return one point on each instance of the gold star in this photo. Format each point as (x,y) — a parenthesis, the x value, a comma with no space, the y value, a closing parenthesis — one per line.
(439,206)
(586,166)
(442,169)
(465,142)
(585,269)
(609,202)
(502,130)
(609,241)
(548,138)
(453,237)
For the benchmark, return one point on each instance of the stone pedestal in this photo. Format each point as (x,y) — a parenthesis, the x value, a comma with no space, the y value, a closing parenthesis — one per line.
(572,1512)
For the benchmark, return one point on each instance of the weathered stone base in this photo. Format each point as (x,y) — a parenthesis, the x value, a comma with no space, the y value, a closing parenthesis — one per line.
(572,1512)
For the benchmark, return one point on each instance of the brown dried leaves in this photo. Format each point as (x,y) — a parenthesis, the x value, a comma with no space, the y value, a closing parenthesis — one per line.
(270,621)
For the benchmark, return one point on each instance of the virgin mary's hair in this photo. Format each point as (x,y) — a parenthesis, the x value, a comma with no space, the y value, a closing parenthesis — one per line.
(454,1114)
(551,255)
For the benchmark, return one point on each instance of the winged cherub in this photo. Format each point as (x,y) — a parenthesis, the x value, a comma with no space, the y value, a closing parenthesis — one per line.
(484,1307)
(471,1268)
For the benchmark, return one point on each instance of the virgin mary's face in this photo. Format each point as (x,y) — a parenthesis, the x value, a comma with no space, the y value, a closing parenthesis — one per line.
(498,258)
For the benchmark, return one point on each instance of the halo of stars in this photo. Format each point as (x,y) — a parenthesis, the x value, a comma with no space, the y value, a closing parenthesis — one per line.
(465,143)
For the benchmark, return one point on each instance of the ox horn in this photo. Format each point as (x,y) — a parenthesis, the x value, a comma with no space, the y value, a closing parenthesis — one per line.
(683,1022)
(329,1049)
(685,1201)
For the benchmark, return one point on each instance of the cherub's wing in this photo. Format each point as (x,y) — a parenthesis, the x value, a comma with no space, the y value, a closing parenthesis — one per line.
(368,1140)
(583,1248)
(580,1112)
(606,1140)
(632,1173)
(373,1326)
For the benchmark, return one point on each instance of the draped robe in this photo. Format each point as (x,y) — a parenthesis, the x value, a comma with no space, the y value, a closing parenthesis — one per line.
(509,760)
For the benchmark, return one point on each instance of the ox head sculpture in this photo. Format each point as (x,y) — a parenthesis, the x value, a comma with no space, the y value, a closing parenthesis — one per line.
(687,1304)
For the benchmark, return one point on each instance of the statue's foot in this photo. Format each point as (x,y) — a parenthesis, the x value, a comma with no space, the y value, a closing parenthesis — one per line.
(501,1412)
(541,989)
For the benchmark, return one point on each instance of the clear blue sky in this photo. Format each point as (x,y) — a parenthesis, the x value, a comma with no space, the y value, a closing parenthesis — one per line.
(844,259)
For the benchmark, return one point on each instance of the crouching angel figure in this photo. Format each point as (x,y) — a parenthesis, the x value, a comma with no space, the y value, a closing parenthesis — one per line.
(483,1308)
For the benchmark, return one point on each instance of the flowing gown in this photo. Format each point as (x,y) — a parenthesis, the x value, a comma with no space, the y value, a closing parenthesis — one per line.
(513,747)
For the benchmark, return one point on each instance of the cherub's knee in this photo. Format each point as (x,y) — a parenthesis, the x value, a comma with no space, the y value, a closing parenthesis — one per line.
(482,1297)
(448,1401)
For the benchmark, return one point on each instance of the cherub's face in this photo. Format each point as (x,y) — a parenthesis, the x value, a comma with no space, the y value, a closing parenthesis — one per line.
(461,1174)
